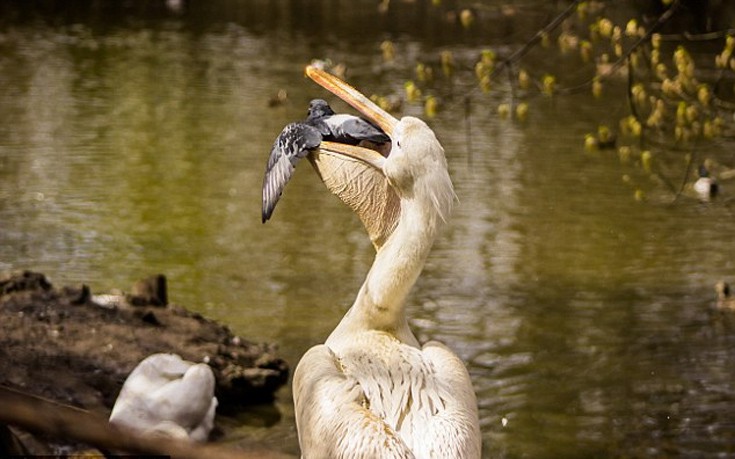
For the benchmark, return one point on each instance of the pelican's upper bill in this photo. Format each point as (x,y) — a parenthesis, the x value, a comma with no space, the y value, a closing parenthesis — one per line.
(355,98)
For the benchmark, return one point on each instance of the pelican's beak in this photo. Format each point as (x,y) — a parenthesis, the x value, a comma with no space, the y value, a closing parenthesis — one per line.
(367,107)
(365,155)
(355,98)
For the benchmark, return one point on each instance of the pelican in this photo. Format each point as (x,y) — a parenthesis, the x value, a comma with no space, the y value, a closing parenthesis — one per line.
(167,395)
(298,139)
(371,390)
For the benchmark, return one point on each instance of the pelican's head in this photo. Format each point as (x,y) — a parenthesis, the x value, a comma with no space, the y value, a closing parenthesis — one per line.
(416,166)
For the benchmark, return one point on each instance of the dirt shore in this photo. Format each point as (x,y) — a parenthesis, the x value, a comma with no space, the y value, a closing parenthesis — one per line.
(69,346)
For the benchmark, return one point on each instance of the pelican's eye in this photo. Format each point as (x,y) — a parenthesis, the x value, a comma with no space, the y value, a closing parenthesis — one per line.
(398,143)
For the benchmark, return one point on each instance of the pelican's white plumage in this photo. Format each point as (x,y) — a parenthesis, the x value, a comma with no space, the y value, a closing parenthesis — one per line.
(371,390)
(167,395)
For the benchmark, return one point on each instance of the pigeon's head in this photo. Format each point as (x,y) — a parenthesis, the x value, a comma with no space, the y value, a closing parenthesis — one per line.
(319,108)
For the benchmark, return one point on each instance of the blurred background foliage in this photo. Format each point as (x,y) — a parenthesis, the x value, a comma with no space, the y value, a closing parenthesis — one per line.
(671,59)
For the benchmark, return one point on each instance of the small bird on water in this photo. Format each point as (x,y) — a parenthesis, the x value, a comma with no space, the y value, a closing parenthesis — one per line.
(706,186)
(297,139)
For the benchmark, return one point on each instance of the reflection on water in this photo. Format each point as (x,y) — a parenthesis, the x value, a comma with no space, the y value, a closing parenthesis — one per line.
(585,317)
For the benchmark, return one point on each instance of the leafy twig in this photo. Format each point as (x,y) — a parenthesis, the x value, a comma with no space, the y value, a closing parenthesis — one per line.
(624,58)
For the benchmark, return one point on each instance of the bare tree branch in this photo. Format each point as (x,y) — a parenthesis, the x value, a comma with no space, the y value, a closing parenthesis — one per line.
(523,50)
(65,422)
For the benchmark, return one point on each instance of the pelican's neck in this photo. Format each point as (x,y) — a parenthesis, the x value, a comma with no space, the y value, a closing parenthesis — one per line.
(380,304)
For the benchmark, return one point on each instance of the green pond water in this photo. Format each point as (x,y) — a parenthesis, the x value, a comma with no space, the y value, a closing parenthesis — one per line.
(134,143)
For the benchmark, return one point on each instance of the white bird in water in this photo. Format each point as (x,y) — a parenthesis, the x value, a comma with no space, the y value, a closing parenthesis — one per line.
(372,390)
(167,395)
(298,139)
(706,186)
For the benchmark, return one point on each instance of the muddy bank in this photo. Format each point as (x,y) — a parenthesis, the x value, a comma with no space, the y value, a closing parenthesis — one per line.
(69,346)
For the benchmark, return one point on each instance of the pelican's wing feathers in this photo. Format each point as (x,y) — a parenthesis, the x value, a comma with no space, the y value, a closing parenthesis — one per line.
(454,431)
(292,144)
(359,185)
(332,419)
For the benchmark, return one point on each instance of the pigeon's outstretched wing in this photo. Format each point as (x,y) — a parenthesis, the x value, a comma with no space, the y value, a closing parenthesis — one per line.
(292,144)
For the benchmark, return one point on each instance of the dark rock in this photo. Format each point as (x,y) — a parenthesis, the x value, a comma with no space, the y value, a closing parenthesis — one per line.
(17,281)
(151,291)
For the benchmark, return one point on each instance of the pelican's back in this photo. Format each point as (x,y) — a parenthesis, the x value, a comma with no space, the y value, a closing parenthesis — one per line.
(383,398)
(332,417)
